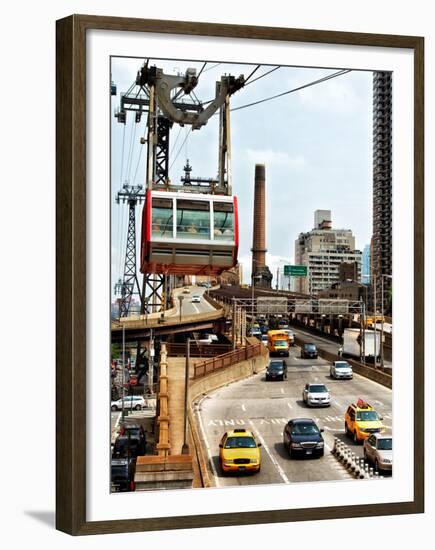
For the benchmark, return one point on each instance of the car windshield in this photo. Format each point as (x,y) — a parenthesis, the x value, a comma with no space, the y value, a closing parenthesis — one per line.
(385,444)
(318,388)
(240,443)
(119,471)
(310,347)
(367,416)
(305,429)
(342,365)
(275,366)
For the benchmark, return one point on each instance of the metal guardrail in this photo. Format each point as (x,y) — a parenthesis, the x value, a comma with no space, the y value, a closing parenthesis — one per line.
(197,349)
(227,359)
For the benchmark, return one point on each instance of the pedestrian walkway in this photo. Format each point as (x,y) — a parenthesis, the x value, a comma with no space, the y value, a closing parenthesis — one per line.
(175,372)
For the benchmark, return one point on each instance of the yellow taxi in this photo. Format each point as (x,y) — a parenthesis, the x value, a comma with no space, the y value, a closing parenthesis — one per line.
(361,420)
(239,452)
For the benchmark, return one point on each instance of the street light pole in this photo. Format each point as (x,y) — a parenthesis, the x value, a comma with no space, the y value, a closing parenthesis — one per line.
(383,315)
(180,298)
(185,447)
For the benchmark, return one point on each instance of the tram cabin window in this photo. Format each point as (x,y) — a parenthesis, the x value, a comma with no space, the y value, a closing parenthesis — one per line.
(162,217)
(193,219)
(223,221)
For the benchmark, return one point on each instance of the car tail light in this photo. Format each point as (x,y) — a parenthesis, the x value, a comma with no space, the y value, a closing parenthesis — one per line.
(132,485)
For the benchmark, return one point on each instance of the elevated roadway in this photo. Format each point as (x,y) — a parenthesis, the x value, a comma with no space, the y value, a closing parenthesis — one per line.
(265,407)
(194,316)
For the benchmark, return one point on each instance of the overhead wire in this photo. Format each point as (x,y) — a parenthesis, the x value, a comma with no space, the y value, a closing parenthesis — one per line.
(253,72)
(318,81)
(181,148)
(212,67)
(203,67)
(262,75)
(130,155)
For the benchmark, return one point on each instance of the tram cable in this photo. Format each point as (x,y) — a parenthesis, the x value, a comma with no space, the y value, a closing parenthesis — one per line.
(181,148)
(318,81)
(262,75)
(253,72)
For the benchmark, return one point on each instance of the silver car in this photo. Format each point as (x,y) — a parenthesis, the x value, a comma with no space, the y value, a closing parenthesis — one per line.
(341,370)
(378,449)
(316,395)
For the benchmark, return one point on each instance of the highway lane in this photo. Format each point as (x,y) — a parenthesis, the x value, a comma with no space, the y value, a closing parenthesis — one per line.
(329,345)
(265,407)
(188,307)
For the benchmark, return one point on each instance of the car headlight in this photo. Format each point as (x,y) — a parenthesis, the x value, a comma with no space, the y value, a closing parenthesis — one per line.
(254,461)
(320,445)
(296,445)
(226,462)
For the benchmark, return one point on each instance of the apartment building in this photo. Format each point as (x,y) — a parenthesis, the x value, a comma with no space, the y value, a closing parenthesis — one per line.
(323,250)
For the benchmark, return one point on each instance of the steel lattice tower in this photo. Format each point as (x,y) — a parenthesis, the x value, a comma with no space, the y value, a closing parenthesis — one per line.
(132,195)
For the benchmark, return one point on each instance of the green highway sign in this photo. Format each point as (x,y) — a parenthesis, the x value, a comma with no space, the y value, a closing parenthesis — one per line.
(295,270)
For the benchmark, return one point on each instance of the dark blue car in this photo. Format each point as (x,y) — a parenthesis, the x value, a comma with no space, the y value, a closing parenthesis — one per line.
(302,437)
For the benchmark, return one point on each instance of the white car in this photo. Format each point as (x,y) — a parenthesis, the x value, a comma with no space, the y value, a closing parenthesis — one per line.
(341,370)
(196,299)
(135,402)
(316,395)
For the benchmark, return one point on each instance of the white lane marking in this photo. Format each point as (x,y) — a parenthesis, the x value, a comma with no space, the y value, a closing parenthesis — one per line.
(117,421)
(337,404)
(289,405)
(207,446)
(243,408)
(272,458)
(282,390)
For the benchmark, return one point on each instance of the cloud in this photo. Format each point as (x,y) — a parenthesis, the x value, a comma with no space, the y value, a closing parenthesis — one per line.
(275,158)
(337,95)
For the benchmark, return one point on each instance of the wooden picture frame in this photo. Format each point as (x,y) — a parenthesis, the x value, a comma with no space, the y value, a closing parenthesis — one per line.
(71,273)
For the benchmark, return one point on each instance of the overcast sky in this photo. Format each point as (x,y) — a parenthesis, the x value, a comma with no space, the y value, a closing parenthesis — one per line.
(316,144)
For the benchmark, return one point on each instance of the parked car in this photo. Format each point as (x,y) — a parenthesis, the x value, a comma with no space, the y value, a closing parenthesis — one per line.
(126,447)
(309,351)
(136,433)
(378,449)
(239,452)
(316,395)
(135,402)
(122,475)
(276,370)
(341,370)
(302,437)
(361,420)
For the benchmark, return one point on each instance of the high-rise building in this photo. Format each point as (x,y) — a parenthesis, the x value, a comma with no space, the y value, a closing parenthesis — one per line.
(322,250)
(382,199)
(365,269)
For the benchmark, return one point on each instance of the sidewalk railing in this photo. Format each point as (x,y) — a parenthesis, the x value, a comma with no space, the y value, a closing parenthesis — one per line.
(227,359)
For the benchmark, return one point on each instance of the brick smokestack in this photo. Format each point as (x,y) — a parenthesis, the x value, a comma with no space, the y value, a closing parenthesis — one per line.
(259,250)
